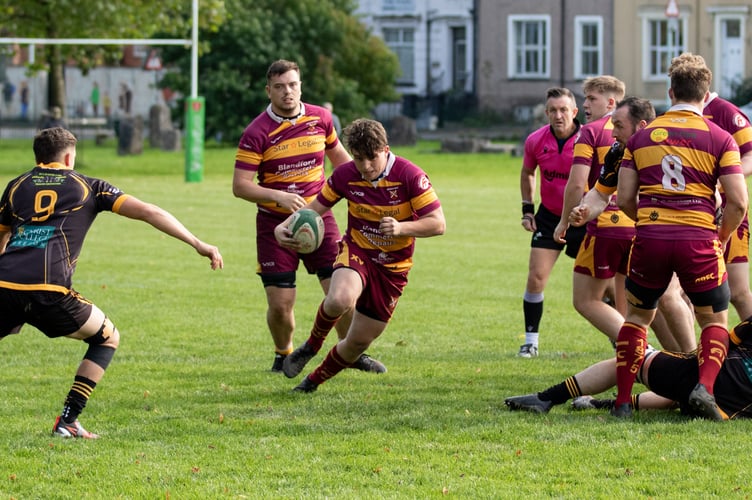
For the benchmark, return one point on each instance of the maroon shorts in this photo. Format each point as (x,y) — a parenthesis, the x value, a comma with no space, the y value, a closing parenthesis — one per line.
(275,259)
(602,257)
(698,264)
(737,248)
(381,288)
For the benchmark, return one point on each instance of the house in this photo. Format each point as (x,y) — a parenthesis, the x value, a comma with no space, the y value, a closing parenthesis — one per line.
(433,40)
(714,29)
(525,46)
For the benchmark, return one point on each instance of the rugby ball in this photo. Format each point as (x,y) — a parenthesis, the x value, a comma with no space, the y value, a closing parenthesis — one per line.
(307,228)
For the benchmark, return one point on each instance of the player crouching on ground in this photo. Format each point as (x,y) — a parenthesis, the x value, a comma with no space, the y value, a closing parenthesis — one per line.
(45,214)
(390,203)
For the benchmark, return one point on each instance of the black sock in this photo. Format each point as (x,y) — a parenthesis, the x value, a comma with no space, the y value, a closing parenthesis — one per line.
(77,398)
(561,393)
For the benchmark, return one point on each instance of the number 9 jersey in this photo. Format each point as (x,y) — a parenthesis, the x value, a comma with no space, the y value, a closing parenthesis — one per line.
(48,211)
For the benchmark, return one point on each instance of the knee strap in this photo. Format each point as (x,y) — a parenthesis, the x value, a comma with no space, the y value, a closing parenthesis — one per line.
(97,353)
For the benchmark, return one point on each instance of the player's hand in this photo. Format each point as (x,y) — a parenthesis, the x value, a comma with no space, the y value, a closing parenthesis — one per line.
(283,235)
(212,253)
(559,232)
(579,215)
(611,163)
(290,201)
(389,226)
(528,222)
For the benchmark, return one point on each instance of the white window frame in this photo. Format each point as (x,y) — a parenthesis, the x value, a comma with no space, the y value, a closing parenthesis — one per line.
(647,51)
(580,48)
(544,47)
(403,79)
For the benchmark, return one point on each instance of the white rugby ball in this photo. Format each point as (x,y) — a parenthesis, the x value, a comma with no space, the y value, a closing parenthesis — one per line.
(307,228)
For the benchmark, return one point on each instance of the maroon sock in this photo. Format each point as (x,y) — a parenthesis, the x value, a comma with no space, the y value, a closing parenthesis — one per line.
(322,325)
(332,365)
(630,353)
(714,342)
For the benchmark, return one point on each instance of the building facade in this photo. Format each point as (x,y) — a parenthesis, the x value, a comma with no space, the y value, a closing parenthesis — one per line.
(434,42)
(718,30)
(525,46)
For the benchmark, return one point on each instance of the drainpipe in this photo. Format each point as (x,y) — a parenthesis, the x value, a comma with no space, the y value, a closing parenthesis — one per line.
(562,42)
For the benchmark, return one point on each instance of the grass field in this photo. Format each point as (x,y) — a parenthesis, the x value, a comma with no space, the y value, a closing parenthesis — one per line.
(189,410)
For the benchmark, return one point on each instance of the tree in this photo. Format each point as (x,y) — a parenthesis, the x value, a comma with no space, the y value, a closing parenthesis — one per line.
(742,92)
(340,61)
(96,19)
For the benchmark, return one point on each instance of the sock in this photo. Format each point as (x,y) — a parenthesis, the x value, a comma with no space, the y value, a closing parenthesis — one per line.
(283,352)
(635,400)
(561,393)
(332,365)
(630,353)
(77,398)
(322,325)
(532,309)
(714,342)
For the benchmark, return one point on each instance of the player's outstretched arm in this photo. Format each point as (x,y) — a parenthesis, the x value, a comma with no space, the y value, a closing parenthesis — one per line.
(161,219)
(591,206)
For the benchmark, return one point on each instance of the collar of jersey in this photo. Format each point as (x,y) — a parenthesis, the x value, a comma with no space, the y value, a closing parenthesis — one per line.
(281,119)
(54,164)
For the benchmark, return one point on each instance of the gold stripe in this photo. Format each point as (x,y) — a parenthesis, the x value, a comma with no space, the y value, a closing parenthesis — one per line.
(45,287)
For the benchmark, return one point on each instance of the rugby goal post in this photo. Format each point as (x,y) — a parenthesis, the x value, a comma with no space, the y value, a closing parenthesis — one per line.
(194,105)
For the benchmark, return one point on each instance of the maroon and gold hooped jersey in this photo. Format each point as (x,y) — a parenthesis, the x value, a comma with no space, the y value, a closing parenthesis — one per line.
(679,158)
(48,211)
(288,155)
(402,192)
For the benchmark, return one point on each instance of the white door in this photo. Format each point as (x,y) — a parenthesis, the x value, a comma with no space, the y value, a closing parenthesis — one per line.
(732,56)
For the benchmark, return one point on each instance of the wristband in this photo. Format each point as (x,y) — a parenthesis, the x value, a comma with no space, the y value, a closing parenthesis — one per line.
(527,208)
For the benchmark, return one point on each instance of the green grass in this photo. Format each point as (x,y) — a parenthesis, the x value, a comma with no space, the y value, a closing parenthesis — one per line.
(189,410)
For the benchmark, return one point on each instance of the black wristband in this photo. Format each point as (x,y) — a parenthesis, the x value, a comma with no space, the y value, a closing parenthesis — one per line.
(528,208)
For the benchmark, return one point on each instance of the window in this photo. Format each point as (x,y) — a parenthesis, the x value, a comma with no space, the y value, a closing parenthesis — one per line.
(402,42)
(588,42)
(664,40)
(529,51)
(459,58)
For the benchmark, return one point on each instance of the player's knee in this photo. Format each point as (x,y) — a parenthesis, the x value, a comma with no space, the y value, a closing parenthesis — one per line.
(107,336)
(337,304)
(103,344)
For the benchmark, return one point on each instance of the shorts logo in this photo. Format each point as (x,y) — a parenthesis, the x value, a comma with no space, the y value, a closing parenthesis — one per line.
(707,277)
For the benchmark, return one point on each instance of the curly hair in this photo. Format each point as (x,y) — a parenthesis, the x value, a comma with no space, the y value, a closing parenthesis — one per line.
(365,138)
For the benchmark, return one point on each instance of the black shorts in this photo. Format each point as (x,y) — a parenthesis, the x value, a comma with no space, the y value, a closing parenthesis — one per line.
(546,222)
(673,376)
(55,314)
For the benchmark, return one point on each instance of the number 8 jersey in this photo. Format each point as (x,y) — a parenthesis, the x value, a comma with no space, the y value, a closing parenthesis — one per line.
(48,212)
(679,157)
